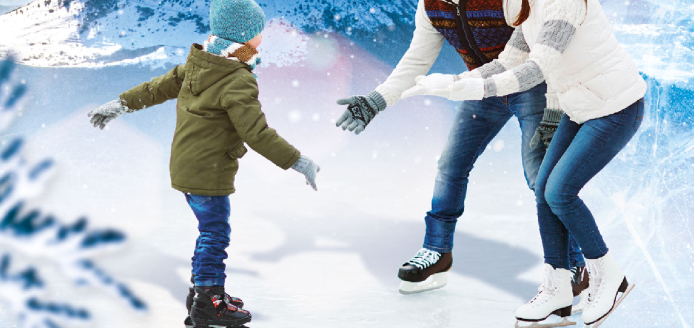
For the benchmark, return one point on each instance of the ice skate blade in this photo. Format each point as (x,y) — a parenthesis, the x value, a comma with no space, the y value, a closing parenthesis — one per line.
(564,323)
(621,298)
(435,281)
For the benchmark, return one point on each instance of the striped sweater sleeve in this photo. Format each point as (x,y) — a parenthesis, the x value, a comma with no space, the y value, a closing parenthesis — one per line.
(515,53)
(561,18)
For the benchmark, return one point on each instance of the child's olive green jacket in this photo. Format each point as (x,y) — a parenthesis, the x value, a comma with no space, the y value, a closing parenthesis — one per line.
(217,112)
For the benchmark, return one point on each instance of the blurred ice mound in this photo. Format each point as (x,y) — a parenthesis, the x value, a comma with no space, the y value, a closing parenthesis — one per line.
(47,249)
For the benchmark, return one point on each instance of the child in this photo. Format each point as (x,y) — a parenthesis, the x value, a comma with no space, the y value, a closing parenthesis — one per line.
(568,44)
(217,112)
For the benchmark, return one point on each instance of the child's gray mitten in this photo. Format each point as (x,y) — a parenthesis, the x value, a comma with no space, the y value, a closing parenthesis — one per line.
(107,112)
(360,111)
(308,168)
(548,126)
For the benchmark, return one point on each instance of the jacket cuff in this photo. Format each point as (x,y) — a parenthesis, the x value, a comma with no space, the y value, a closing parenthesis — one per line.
(292,161)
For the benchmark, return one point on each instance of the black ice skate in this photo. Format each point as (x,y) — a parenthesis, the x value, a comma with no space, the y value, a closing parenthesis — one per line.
(189,304)
(425,271)
(579,284)
(211,310)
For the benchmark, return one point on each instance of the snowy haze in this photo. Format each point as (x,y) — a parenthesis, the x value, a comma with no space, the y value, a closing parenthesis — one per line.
(301,258)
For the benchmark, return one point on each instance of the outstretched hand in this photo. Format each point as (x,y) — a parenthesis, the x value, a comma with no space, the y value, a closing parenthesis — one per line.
(106,113)
(451,87)
(360,111)
(309,169)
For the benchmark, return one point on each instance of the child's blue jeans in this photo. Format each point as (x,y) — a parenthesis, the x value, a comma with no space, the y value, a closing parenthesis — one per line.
(577,153)
(210,248)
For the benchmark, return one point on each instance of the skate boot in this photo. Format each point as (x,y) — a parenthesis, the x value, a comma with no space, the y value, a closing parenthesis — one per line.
(606,282)
(188,322)
(426,271)
(555,297)
(210,309)
(579,283)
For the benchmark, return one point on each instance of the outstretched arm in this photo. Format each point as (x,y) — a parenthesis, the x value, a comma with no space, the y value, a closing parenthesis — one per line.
(424,49)
(156,91)
(561,19)
(420,56)
(244,110)
(514,54)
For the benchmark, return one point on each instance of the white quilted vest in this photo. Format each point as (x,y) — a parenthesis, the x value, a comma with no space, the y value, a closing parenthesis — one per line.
(594,77)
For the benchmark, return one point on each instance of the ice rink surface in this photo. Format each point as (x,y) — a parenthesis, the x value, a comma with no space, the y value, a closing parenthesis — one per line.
(300,258)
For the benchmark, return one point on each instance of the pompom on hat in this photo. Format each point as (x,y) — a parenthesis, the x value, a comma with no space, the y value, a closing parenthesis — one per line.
(236,20)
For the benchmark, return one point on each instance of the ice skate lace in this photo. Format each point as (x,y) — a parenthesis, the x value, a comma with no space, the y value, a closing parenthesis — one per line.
(425,258)
(548,287)
(595,282)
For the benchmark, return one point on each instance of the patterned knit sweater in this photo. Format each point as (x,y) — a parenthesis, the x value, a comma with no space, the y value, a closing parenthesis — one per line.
(482,22)
(435,24)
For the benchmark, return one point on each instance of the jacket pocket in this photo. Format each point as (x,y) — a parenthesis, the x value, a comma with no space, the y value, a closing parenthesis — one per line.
(237,152)
(597,88)
(227,160)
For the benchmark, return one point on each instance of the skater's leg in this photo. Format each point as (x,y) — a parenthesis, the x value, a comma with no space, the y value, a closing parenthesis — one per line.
(552,231)
(475,125)
(597,142)
(529,108)
(212,213)
(594,146)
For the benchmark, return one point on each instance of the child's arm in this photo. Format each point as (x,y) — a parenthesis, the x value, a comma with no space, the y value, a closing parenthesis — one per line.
(244,110)
(157,91)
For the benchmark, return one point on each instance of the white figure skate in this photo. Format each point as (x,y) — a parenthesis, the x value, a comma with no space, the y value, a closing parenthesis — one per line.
(607,280)
(555,297)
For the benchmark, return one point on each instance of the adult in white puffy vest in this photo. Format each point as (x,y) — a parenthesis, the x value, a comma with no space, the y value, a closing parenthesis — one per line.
(569,44)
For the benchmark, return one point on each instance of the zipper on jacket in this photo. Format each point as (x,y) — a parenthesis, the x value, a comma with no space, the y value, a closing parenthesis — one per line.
(467,39)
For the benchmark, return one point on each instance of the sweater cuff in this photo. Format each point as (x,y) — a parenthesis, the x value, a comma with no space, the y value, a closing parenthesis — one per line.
(552,101)
(391,97)
(552,115)
(378,99)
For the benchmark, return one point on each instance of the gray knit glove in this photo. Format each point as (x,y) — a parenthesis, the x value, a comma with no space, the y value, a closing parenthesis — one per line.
(360,111)
(549,124)
(308,168)
(107,112)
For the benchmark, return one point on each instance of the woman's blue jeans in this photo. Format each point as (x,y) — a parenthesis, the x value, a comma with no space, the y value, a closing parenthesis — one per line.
(576,154)
(210,248)
(476,123)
